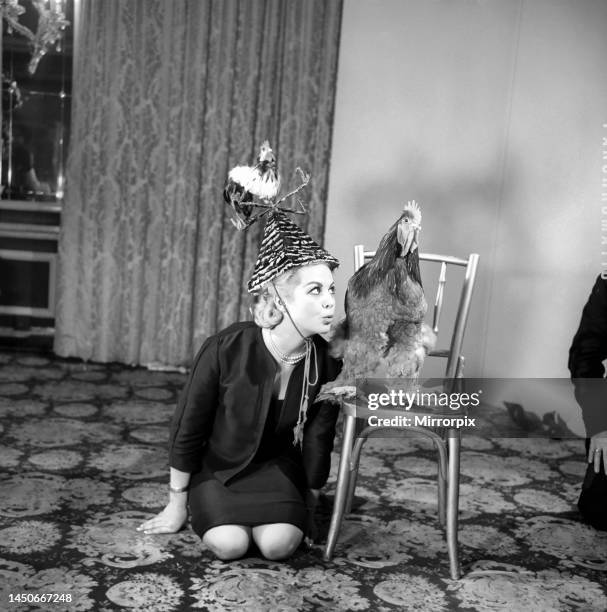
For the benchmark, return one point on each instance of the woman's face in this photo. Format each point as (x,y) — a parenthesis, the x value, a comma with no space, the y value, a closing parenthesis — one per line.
(311,300)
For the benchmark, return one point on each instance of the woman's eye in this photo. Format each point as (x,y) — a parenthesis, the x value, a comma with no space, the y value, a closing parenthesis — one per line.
(315,290)
(332,290)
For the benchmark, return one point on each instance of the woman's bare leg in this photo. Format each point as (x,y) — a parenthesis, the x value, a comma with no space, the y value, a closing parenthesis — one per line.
(228,542)
(277,540)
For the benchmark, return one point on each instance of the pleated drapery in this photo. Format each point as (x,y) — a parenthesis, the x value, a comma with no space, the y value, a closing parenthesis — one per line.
(167,96)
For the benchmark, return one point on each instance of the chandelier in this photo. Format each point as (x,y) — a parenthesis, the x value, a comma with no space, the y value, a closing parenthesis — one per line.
(51,23)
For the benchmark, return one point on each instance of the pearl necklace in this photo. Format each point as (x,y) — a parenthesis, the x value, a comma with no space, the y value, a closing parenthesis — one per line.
(286,359)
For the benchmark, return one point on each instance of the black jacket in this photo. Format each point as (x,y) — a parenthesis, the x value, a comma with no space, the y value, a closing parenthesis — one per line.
(222,410)
(586,355)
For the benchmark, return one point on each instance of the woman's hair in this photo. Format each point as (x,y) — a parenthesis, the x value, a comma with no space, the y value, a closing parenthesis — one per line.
(263,308)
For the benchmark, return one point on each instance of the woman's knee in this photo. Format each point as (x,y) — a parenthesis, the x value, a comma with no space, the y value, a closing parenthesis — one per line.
(277,541)
(227,542)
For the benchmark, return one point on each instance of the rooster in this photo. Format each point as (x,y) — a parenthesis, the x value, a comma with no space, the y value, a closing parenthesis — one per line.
(383,335)
(245,183)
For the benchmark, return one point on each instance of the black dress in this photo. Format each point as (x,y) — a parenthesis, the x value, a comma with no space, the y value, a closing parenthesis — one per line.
(237,441)
(271,489)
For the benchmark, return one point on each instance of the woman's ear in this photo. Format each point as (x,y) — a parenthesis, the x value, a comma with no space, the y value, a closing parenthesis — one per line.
(279,304)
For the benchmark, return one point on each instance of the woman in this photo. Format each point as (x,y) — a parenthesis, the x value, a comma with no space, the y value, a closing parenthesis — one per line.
(248,446)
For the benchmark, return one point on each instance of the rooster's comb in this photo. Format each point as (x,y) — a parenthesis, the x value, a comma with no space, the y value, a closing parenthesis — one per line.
(412,206)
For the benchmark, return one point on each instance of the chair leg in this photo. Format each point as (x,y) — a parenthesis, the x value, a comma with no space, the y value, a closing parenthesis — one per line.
(442,494)
(453,503)
(341,489)
(353,475)
(441,480)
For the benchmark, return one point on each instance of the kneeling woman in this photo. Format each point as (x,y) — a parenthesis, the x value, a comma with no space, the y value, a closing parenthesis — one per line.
(249,449)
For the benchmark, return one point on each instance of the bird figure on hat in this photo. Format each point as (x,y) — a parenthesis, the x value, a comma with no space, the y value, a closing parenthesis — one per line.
(251,188)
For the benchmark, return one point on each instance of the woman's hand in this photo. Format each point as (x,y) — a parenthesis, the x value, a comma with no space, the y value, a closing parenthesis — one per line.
(170,520)
(598,450)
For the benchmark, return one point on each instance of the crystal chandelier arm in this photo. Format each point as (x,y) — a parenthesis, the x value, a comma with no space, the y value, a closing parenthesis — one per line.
(51,23)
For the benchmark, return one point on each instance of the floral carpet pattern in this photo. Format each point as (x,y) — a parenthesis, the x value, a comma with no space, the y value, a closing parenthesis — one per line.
(83,461)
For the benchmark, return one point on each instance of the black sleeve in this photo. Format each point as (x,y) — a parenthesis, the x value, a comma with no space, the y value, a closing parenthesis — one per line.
(318,442)
(586,355)
(193,418)
(319,432)
(589,346)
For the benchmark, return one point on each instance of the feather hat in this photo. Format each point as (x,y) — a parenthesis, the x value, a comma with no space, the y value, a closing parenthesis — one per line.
(251,192)
(285,246)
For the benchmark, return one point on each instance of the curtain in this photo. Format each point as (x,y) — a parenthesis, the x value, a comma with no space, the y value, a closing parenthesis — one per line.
(167,97)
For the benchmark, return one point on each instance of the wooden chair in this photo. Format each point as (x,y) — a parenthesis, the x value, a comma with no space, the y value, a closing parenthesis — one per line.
(446,440)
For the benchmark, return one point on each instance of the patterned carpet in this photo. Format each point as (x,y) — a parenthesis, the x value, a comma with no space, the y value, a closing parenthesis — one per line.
(83,457)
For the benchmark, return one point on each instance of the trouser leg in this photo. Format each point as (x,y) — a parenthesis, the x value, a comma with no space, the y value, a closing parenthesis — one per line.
(593,498)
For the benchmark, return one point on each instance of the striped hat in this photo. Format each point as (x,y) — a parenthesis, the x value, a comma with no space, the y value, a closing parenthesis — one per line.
(285,246)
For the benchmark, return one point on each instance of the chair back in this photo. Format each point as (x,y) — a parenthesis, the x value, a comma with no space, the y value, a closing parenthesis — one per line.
(453,354)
